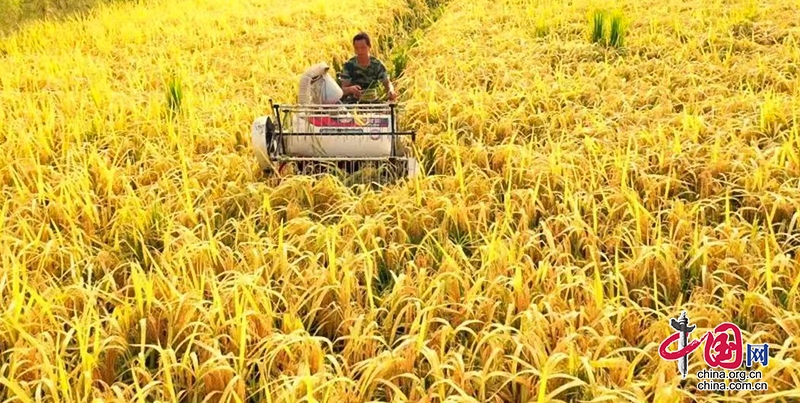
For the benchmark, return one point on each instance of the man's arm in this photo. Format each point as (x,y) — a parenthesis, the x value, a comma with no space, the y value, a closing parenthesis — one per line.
(387,83)
(350,89)
(347,87)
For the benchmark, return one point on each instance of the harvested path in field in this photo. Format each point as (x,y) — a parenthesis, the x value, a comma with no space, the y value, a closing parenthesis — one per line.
(574,177)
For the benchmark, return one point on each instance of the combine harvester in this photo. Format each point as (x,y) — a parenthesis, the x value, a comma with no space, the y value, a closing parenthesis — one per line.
(320,135)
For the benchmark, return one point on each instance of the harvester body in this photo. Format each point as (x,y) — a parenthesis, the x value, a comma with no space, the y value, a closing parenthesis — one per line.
(321,135)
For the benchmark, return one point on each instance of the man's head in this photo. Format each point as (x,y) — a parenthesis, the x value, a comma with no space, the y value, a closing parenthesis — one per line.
(362,44)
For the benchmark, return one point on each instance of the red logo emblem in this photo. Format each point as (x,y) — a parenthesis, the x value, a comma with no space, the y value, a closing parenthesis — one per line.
(718,351)
(721,349)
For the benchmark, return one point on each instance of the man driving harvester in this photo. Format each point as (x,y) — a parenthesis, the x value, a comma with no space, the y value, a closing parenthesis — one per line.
(362,73)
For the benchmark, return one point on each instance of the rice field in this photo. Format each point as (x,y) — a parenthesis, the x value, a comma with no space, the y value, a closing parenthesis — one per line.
(586,180)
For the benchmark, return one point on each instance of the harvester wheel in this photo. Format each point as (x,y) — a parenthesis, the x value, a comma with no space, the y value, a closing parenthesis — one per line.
(270,138)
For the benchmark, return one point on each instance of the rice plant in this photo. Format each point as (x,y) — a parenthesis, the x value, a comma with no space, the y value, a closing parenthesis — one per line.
(607,28)
(598,26)
(174,95)
(616,32)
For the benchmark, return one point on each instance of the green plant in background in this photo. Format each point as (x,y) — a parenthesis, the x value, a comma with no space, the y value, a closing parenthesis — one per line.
(616,33)
(608,28)
(174,96)
(597,26)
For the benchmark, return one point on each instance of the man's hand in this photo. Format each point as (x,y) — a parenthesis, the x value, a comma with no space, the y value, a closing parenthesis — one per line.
(355,90)
(390,91)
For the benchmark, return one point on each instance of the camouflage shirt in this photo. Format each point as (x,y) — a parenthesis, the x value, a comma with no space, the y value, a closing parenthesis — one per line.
(365,77)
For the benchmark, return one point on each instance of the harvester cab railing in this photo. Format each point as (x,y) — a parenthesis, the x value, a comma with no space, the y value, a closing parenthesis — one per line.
(375,120)
(345,137)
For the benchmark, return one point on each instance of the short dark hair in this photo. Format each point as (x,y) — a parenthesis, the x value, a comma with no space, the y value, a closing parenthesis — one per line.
(362,36)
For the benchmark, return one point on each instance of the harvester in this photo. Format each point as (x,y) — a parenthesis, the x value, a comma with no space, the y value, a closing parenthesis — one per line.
(321,135)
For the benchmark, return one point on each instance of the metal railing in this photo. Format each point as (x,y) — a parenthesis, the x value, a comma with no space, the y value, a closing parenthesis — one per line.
(380,171)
